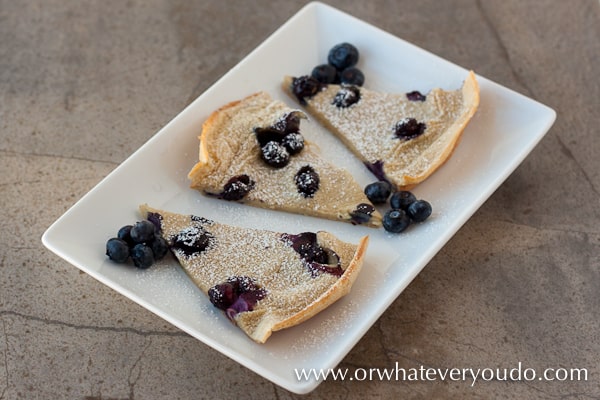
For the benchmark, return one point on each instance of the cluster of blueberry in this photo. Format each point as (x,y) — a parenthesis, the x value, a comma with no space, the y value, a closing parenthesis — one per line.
(340,69)
(341,66)
(140,241)
(405,207)
(281,140)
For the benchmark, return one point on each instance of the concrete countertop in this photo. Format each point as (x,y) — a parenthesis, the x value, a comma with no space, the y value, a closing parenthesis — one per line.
(83,84)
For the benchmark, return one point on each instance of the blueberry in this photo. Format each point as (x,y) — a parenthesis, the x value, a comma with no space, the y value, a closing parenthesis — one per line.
(222,295)
(346,96)
(242,284)
(237,294)
(301,241)
(402,199)
(142,231)
(409,128)
(324,73)
(125,234)
(142,256)
(293,142)
(192,240)
(419,210)
(237,187)
(378,192)
(362,213)
(415,95)
(342,56)
(316,258)
(306,245)
(395,221)
(156,219)
(352,76)
(320,256)
(266,135)
(159,247)
(305,86)
(289,123)
(117,250)
(307,181)
(275,154)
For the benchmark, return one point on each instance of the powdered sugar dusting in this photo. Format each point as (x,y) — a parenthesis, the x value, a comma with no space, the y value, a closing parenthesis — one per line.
(369,124)
(238,153)
(331,328)
(264,256)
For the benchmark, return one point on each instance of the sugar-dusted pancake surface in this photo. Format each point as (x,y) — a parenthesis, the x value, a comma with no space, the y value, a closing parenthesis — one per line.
(243,157)
(401,137)
(264,281)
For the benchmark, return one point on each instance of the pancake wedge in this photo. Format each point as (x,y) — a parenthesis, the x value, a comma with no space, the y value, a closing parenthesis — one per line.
(402,138)
(264,281)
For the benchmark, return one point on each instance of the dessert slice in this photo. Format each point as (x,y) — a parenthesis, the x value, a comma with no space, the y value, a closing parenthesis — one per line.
(264,281)
(402,138)
(252,151)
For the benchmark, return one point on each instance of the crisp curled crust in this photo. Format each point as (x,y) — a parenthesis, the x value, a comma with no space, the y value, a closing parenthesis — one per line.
(294,294)
(228,148)
(218,149)
(338,290)
(366,127)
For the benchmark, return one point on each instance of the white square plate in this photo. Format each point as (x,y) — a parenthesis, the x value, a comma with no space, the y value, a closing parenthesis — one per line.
(505,129)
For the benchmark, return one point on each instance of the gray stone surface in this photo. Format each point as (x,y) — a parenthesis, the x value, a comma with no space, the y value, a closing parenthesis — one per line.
(84,83)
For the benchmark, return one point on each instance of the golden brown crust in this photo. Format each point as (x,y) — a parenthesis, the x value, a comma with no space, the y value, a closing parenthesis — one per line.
(338,290)
(209,160)
(453,134)
(228,148)
(365,127)
(294,294)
